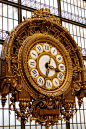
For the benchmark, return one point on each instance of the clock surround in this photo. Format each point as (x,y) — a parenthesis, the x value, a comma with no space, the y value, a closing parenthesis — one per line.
(46,105)
(25,55)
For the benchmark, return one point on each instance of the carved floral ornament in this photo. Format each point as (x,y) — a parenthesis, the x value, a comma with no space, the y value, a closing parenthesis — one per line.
(42,66)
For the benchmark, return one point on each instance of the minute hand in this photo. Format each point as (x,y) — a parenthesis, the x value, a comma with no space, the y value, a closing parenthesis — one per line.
(51,67)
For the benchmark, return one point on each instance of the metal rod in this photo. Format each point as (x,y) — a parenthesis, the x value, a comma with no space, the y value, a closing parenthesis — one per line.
(19,12)
(67,124)
(47,127)
(59,10)
(22,124)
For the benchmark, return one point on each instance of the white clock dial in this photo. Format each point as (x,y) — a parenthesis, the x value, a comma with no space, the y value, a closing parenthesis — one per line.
(46,66)
(40,80)
(59,58)
(60,76)
(61,67)
(48,84)
(55,82)
(32,63)
(39,48)
(43,60)
(34,54)
(34,73)
(53,51)
(46,47)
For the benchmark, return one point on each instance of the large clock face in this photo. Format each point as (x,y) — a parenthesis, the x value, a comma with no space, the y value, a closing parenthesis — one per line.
(45,65)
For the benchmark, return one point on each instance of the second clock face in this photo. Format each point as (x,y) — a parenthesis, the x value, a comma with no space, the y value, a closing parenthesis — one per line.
(46,66)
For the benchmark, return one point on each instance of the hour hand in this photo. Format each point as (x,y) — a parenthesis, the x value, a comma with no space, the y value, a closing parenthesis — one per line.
(51,67)
(47,72)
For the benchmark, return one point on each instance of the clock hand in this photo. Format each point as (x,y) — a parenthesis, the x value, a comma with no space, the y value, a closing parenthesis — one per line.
(51,67)
(48,63)
(47,67)
(47,72)
(49,60)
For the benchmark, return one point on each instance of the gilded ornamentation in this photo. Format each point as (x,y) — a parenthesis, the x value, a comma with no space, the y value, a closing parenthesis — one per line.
(44,95)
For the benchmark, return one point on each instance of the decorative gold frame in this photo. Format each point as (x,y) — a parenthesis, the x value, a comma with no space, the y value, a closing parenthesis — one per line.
(28,44)
(47,105)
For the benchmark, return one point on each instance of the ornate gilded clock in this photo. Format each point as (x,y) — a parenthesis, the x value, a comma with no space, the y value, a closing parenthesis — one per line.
(47,65)
(42,67)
